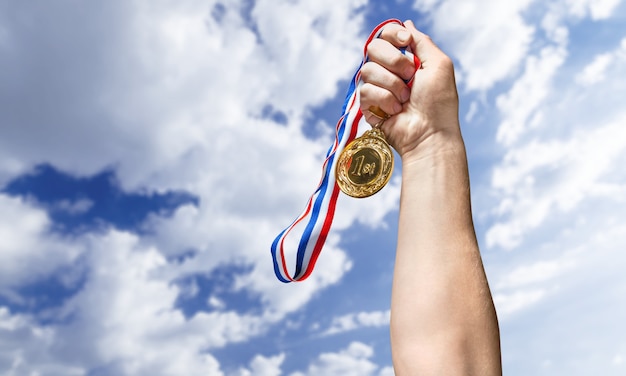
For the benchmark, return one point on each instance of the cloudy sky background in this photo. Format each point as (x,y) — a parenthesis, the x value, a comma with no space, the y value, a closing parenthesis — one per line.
(150,151)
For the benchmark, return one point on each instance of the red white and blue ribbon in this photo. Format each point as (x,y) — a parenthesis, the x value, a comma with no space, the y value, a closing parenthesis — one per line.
(320,209)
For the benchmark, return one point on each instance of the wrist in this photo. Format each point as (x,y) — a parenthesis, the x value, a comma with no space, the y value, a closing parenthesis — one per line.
(436,146)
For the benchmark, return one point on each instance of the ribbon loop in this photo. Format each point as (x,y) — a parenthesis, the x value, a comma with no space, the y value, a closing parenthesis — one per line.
(319,211)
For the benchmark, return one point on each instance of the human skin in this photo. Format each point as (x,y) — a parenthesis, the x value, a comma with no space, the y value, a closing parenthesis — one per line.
(443,320)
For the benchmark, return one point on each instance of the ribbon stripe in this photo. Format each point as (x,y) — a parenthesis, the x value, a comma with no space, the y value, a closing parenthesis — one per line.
(320,208)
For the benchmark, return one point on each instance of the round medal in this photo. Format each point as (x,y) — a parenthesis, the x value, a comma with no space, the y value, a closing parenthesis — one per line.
(365,165)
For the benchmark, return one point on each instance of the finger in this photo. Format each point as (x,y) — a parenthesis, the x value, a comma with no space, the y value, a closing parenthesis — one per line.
(372,95)
(422,45)
(396,34)
(384,53)
(371,119)
(375,74)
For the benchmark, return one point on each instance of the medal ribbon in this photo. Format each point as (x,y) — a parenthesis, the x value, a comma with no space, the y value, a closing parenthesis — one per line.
(320,209)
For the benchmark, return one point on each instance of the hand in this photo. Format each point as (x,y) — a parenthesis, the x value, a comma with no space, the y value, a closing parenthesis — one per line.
(425,116)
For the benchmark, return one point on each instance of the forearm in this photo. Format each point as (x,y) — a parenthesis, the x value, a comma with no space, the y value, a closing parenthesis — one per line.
(442,318)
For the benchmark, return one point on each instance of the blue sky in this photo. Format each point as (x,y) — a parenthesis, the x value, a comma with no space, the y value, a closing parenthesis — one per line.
(150,151)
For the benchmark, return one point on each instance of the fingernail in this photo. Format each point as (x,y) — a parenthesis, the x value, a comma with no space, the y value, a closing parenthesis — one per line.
(403,36)
(405,95)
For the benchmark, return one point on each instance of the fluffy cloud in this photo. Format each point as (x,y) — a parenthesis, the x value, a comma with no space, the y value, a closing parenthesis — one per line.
(28,252)
(558,201)
(25,347)
(264,366)
(181,104)
(354,360)
(354,321)
(519,105)
(121,321)
(124,320)
(573,297)
(596,9)
(211,98)
(556,197)
(158,89)
(173,96)
(559,153)
(470,32)
(595,71)
(490,39)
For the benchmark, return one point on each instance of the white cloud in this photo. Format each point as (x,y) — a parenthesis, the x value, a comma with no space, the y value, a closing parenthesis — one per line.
(294,41)
(507,304)
(536,187)
(575,303)
(552,24)
(180,86)
(519,105)
(28,252)
(281,298)
(125,317)
(354,360)
(24,348)
(490,39)
(264,366)
(538,272)
(558,196)
(171,96)
(216,303)
(565,146)
(74,207)
(471,113)
(354,321)
(527,285)
(425,5)
(124,321)
(180,108)
(596,70)
(596,9)
(470,32)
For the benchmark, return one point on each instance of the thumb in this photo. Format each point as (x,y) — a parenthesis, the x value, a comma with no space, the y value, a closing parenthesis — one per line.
(422,45)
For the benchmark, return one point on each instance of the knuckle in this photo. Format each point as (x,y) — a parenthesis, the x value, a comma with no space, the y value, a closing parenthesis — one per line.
(366,91)
(398,88)
(401,62)
(372,46)
(388,97)
(366,70)
(446,63)
(389,101)
(398,59)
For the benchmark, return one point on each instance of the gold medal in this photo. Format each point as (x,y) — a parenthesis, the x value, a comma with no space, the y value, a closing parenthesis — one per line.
(365,165)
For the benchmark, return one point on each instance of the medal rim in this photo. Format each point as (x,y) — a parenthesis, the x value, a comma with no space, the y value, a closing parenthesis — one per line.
(361,190)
